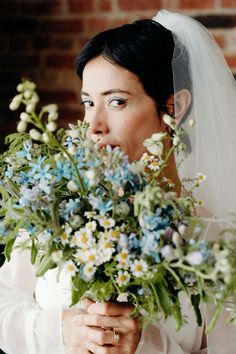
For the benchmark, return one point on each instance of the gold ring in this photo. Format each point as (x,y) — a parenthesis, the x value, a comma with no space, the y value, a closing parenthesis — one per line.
(116,338)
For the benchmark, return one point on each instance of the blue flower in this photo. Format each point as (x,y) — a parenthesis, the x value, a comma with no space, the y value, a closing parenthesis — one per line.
(62,170)
(24,178)
(9,172)
(69,207)
(37,165)
(133,242)
(99,204)
(43,174)
(26,152)
(149,244)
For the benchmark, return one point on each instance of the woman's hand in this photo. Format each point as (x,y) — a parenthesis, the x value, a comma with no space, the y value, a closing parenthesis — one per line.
(93,332)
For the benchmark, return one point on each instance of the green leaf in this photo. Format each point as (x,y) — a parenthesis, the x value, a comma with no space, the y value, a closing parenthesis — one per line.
(164,299)
(176,312)
(46,263)
(79,288)
(8,248)
(34,252)
(195,301)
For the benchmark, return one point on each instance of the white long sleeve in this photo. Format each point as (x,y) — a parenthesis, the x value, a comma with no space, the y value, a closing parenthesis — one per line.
(162,338)
(24,327)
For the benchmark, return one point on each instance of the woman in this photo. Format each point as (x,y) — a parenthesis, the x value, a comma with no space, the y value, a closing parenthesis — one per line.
(131,76)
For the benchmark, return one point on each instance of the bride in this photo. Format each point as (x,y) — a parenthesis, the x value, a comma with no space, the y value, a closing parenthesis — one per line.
(131,76)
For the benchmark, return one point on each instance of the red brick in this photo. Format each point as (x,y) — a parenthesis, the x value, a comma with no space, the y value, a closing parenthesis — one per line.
(104,5)
(129,5)
(38,8)
(4,44)
(9,7)
(82,41)
(62,26)
(62,43)
(189,4)
(58,96)
(97,24)
(17,62)
(220,39)
(228,3)
(81,6)
(20,43)
(61,61)
(69,115)
(231,60)
(41,42)
(10,78)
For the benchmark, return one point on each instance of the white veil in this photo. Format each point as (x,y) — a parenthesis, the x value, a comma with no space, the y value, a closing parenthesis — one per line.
(212,141)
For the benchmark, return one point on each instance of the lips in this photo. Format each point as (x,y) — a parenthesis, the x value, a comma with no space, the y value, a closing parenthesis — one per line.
(102,145)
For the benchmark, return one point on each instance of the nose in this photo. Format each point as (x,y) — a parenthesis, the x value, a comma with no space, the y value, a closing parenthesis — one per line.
(97,119)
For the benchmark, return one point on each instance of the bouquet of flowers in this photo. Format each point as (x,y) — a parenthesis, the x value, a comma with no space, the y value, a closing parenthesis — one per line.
(118,228)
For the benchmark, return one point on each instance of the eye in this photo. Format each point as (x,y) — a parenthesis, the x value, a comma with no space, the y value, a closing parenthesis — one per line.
(117,102)
(87,103)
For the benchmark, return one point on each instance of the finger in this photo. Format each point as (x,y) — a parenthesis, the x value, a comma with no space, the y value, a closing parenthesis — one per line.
(98,349)
(87,302)
(122,323)
(110,308)
(77,350)
(97,335)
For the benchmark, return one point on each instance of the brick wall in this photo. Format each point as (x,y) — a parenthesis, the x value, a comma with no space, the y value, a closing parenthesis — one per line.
(39,39)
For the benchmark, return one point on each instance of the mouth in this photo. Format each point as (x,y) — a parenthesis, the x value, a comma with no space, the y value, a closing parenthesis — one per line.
(104,145)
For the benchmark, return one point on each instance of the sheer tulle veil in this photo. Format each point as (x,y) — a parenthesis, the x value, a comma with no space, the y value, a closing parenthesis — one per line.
(212,140)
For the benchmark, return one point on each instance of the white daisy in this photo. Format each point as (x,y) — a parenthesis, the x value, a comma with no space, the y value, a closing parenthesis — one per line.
(89,256)
(88,271)
(91,226)
(201,177)
(123,258)
(139,268)
(57,256)
(123,278)
(65,236)
(107,223)
(70,268)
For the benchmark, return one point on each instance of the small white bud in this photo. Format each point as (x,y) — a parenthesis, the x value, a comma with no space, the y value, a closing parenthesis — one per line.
(52,116)
(30,107)
(15,103)
(168,119)
(25,117)
(35,98)
(72,149)
(176,140)
(50,108)
(27,94)
(35,134)
(45,138)
(73,133)
(31,85)
(20,87)
(191,122)
(58,157)
(72,186)
(52,126)
(21,126)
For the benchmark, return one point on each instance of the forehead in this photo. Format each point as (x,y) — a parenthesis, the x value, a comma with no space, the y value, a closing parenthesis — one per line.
(100,74)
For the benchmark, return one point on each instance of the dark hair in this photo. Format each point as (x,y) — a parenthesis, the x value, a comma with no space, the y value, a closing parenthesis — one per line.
(145,48)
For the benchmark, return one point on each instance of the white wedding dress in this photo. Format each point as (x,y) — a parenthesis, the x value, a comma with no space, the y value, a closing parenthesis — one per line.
(30,315)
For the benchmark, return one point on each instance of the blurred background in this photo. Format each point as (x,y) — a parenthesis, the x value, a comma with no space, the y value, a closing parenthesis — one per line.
(39,40)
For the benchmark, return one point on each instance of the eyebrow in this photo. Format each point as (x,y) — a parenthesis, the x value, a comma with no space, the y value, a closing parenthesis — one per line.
(109,92)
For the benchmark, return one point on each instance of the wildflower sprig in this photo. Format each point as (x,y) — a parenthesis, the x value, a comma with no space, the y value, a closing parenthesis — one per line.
(117,229)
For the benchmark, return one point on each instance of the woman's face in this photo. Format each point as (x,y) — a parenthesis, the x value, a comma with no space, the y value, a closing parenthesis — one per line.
(118,110)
